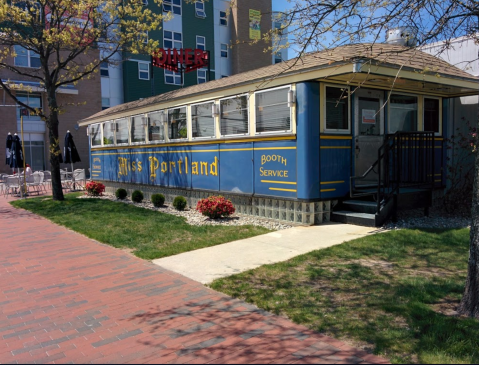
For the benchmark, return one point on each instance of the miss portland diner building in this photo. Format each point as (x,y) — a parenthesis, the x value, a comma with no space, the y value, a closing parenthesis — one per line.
(346,134)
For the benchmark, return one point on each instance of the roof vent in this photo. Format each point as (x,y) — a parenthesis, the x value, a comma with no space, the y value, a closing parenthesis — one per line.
(402,36)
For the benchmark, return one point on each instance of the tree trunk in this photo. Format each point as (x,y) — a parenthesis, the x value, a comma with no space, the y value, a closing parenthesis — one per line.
(55,151)
(470,301)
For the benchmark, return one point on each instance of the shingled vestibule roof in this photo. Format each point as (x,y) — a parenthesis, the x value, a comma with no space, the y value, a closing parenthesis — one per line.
(378,54)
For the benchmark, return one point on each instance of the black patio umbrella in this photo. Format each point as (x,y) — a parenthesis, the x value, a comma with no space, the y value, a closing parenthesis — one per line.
(70,153)
(9,146)
(16,153)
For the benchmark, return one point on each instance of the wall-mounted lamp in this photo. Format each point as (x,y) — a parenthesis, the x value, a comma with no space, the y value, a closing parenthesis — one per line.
(291,98)
(215,110)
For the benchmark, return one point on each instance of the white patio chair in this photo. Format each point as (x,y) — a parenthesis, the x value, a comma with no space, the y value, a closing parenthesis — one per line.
(12,185)
(47,178)
(79,178)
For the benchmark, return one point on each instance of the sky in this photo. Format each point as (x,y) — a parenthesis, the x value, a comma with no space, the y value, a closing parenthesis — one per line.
(280,5)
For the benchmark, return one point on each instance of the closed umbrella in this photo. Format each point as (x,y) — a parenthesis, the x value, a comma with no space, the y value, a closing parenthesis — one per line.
(70,153)
(16,153)
(9,146)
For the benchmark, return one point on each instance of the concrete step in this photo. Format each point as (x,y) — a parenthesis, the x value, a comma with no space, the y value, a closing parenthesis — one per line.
(350,217)
(360,206)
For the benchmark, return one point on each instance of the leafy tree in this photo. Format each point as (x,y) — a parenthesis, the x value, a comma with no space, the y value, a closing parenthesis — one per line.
(71,38)
(317,25)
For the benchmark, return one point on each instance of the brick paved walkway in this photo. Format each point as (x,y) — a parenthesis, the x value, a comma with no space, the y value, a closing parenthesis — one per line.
(67,299)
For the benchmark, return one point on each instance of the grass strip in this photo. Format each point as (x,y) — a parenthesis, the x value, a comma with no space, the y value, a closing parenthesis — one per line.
(149,234)
(389,293)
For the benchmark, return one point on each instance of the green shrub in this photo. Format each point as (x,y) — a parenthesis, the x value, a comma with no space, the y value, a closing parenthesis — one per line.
(158,200)
(121,193)
(179,203)
(137,196)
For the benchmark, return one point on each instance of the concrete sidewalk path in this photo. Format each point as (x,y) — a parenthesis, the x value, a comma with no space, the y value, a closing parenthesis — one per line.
(208,264)
(67,299)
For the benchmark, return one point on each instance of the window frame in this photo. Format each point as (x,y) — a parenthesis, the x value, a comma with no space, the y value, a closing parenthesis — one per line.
(289,88)
(221,50)
(140,71)
(104,125)
(130,137)
(29,58)
(175,75)
(165,126)
(247,113)
(418,98)
(172,39)
(200,10)
(198,78)
(99,125)
(18,106)
(225,18)
(198,44)
(214,136)
(103,106)
(439,133)
(103,68)
(187,124)
(173,6)
(117,130)
(324,113)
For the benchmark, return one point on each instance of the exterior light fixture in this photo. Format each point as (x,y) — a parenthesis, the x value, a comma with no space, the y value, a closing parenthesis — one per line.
(291,98)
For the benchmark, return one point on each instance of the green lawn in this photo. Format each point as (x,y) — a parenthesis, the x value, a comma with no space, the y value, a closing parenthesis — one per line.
(383,292)
(149,234)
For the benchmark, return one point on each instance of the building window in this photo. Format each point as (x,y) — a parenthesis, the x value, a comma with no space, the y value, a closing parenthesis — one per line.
(105,103)
(272,111)
(95,134)
(234,116)
(337,109)
(143,36)
(109,133)
(156,127)
(172,5)
(402,113)
(200,9)
(172,77)
(143,71)
(172,40)
(201,76)
(33,101)
(200,42)
(277,58)
(137,131)
(177,123)
(26,58)
(122,131)
(431,115)
(223,18)
(224,50)
(104,72)
(202,121)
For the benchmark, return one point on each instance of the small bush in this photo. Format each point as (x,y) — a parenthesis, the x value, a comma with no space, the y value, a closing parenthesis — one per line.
(94,188)
(179,203)
(121,193)
(215,207)
(137,196)
(158,200)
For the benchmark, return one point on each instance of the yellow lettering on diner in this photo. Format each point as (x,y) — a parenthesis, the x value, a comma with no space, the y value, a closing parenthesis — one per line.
(273,158)
(194,168)
(154,164)
(164,167)
(205,165)
(172,164)
(277,173)
(186,165)
(133,166)
(214,167)
(139,166)
(179,166)
(96,159)
(122,166)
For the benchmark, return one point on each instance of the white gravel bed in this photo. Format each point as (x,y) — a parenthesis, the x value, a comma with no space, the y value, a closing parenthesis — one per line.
(195,218)
(415,218)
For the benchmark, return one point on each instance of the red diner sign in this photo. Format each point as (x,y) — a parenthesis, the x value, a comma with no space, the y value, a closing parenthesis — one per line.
(183,59)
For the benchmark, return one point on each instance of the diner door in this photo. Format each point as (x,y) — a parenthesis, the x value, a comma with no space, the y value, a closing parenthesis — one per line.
(369,133)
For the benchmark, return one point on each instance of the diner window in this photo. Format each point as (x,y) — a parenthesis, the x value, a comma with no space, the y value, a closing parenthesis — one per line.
(109,133)
(337,109)
(26,58)
(202,121)
(177,128)
(172,39)
(172,5)
(104,72)
(122,131)
(223,18)
(234,116)
(272,111)
(172,77)
(200,9)
(33,101)
(200,42)
(431,115)
(402,113)
(143,71)
(201,76)
(137,130)
(95,133)
(156,127)
(224,50)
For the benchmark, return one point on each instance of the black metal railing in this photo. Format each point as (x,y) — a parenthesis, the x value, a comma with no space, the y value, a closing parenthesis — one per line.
(405,160)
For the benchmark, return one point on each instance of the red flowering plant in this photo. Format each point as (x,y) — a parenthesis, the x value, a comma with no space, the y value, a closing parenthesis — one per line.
(215,207)
(94,188)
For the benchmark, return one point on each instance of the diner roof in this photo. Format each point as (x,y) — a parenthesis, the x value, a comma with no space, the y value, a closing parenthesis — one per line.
(393,65)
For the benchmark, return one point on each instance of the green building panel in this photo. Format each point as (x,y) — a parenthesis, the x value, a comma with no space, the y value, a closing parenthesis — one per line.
(134,88)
